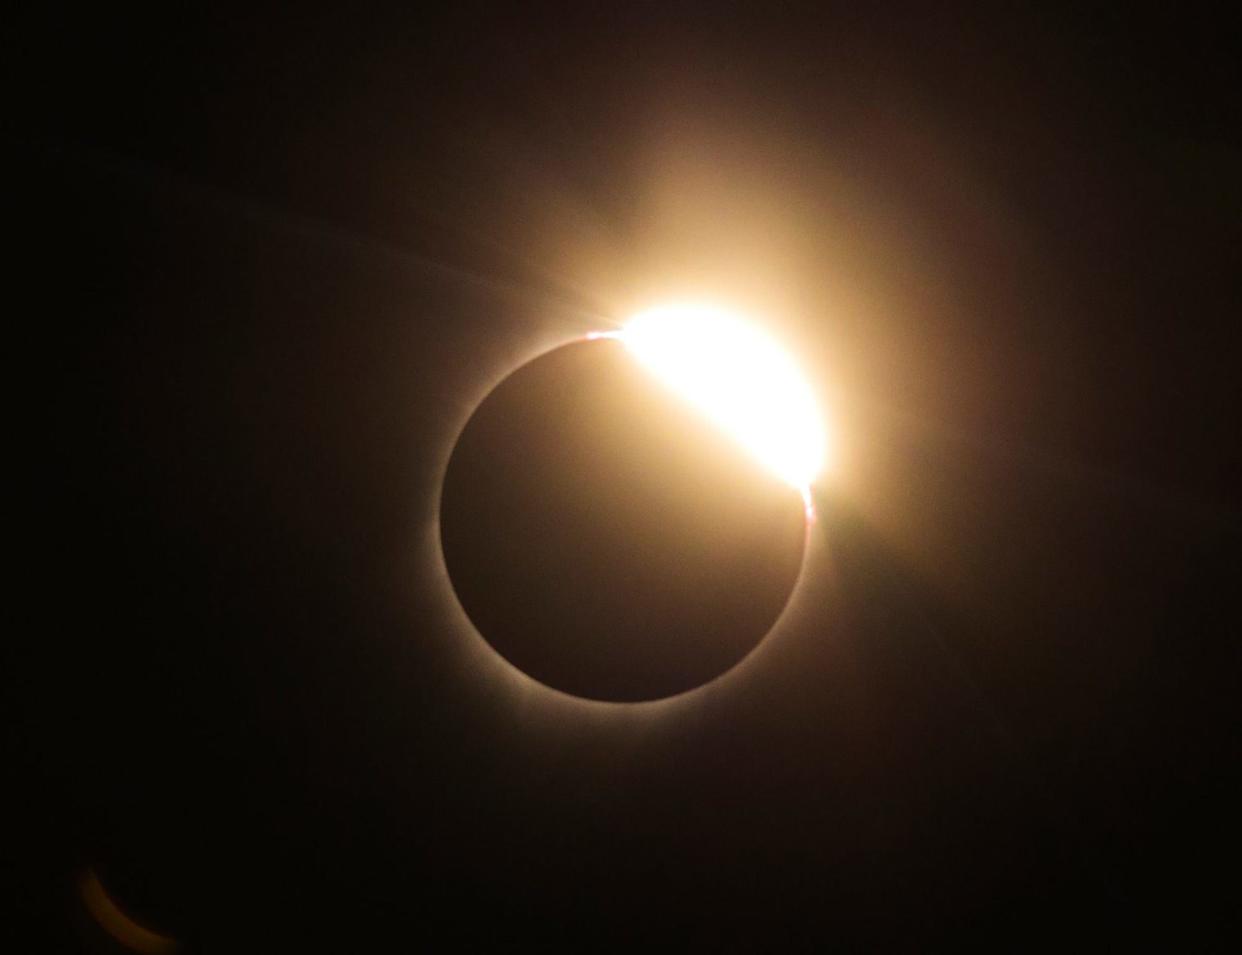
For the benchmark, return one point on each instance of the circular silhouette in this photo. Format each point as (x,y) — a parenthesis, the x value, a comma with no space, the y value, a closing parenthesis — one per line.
(605,538)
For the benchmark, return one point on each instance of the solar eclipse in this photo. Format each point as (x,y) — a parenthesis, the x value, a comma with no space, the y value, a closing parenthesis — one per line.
(624,517)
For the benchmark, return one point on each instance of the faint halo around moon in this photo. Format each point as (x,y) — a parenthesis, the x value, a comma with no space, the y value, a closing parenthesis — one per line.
(607,540)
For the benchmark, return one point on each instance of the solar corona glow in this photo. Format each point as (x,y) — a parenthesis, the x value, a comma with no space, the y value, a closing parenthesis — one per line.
(744,382)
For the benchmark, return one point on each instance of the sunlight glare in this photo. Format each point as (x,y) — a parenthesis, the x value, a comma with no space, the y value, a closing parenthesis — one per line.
(741,379)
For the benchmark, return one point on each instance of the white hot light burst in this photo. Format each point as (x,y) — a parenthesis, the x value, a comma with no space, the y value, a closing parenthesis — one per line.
(739,378)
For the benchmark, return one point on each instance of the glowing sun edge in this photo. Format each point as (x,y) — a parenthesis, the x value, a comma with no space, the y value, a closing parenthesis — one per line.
(740,379)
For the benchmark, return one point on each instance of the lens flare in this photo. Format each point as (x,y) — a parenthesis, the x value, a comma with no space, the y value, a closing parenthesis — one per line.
(119,925)
(739,378)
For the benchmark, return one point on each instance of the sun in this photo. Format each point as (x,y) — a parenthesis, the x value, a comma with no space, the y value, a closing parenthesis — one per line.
(741,379)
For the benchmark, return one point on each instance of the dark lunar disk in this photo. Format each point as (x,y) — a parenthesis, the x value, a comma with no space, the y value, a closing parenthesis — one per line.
(605,538)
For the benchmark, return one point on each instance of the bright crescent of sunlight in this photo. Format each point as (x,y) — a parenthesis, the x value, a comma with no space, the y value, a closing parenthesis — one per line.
(741,379)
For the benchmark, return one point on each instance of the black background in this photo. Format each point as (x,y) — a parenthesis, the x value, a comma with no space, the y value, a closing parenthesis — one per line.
(265,265)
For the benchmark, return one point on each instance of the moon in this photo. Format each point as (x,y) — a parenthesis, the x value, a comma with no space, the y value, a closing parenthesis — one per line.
(624,517)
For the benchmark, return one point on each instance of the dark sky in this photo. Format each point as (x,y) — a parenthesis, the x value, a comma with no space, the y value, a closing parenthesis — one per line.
(267,265)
